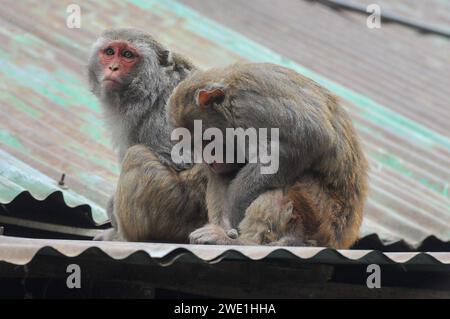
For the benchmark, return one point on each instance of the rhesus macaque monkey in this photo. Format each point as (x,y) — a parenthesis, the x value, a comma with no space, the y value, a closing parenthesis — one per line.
(133,76)
(315,197)
(156,203)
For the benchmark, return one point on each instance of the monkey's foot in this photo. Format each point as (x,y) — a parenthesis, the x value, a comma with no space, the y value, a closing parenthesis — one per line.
(212,235)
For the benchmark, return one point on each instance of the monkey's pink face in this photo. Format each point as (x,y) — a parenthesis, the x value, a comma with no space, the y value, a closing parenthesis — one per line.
(118,59)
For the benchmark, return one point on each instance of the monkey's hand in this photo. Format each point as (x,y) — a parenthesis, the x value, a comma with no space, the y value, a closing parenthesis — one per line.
(211,234)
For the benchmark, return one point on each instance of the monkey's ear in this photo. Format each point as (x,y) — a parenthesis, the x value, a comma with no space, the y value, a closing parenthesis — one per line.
(206,98)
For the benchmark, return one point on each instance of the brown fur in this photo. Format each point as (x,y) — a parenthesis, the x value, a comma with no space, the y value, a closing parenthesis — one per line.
(322,174)
(153,202)
(306,215)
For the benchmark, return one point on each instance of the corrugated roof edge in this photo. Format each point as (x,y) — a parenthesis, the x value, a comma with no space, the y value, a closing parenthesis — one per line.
(21,251)
(98,218)
(375,242)
(39,216)
(39,186)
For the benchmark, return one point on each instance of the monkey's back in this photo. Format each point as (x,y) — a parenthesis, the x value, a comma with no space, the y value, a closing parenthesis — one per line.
(329,195)
(323,169)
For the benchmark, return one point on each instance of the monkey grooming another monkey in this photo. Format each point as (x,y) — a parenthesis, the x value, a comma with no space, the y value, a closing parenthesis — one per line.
(133,75)
(155,203)
(316,196)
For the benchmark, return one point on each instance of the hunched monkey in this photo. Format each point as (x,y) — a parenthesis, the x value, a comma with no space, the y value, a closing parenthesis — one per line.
(317,195)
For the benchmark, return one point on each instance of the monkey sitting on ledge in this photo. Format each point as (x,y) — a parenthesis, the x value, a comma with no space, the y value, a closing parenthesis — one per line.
(316,196)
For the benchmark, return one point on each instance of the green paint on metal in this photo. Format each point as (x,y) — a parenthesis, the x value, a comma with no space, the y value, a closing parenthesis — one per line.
(82,151)
(12,100)
(103,186)
(16,176)
(77,89)
(61,88)
(376,133)
(241,45)
(18,74)
(364,128)
(8,139)
(74,145)
(445,2)
(94,133)
(397,164)
(21,40)
(8,189)
(67,41)
(57,92)
(405,222)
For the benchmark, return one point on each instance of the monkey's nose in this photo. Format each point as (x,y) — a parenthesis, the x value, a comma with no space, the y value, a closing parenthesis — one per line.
(114,68)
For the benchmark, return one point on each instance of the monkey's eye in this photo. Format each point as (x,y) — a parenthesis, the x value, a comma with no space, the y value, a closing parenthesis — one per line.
(127,54)
(109,51)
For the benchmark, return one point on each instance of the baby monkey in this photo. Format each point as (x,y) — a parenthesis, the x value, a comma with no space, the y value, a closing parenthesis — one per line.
(316,197)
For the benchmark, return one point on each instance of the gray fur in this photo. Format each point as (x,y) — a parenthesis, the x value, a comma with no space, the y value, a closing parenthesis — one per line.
(136,114)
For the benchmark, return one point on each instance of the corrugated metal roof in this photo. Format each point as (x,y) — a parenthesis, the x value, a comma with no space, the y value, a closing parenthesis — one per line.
(17,177)
(52,123)
(220,271)
(21,251)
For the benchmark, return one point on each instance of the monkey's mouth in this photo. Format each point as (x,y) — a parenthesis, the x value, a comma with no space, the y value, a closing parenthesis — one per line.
(111,82)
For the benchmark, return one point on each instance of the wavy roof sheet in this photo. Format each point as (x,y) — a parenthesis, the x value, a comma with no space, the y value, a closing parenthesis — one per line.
(21,251)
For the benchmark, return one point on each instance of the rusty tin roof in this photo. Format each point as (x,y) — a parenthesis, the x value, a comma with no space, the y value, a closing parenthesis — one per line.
(394,83)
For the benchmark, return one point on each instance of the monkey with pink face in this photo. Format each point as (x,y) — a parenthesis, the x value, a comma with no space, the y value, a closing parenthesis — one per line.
(133,76)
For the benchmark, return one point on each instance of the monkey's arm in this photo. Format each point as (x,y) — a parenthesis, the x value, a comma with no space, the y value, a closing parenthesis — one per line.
(216,200)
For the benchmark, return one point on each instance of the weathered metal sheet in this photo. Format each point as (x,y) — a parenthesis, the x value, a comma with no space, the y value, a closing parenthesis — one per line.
(20,251)
(50,121)
(433,12)
(17,177)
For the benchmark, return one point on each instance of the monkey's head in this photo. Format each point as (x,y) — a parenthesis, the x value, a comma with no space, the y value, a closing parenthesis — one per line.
(268,216)
(203,96)
(218,99)
(127,61)
(240,95)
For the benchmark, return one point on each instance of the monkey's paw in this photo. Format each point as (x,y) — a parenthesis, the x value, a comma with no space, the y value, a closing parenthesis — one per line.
(211,235)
